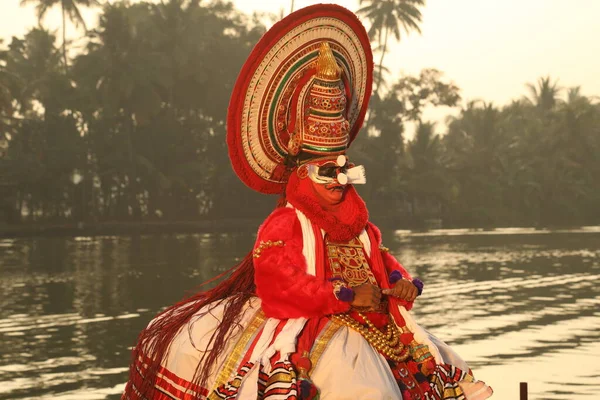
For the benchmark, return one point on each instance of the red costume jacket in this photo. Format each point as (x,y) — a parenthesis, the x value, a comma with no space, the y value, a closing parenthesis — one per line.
(284,286)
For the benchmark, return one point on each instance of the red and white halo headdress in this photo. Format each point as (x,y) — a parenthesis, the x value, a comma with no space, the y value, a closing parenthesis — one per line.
(304,90)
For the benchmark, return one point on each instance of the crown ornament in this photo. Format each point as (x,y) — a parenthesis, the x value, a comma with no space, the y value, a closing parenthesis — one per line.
(302,93)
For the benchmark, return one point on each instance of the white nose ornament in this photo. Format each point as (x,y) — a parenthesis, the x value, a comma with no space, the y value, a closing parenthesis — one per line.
(342,178)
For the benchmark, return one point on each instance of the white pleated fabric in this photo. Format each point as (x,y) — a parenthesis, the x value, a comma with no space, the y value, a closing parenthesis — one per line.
(285,343)
(191,342)
(351,369)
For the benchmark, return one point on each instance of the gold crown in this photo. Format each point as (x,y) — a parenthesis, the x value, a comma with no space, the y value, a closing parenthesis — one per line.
(327,67)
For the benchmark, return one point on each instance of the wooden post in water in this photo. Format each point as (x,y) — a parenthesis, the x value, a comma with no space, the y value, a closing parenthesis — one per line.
(523,387)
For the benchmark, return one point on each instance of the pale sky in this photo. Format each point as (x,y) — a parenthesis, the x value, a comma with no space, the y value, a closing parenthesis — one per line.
(489,48)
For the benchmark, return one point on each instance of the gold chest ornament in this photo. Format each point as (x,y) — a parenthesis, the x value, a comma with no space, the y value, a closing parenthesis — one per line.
(348,263)
(350,268)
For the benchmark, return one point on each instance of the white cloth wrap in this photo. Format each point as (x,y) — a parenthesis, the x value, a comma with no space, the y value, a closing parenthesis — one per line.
(285,342)
(351,369)
(190,344)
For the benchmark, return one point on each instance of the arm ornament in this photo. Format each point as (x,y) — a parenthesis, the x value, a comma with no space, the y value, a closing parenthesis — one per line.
(345,294)
(395,276)
(341,291)
(265,245)
(419,284)
(384,249)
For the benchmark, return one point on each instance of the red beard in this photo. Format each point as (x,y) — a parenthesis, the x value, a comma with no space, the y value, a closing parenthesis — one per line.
(342,221)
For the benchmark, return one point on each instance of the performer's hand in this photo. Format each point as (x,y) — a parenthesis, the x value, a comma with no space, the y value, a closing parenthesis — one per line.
(366,295)
(403,289)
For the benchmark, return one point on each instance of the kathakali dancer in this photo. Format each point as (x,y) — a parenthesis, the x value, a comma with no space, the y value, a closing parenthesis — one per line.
(319,308)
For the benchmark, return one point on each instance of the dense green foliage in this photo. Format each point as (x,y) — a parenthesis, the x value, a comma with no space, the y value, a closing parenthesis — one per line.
(533,162)
(134,129)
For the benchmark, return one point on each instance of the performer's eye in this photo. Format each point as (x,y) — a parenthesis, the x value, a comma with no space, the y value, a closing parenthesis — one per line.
(328,171)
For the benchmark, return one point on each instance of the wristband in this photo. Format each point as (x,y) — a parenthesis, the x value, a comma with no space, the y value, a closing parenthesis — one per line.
(419,285)
(395,276)
(345,294)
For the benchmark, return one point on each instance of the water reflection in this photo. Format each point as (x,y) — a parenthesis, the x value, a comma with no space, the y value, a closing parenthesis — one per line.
(519,305)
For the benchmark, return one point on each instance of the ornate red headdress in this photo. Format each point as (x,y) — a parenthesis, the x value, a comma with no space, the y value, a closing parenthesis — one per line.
(304,90)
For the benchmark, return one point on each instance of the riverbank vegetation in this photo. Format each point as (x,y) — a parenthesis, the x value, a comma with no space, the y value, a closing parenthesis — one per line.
(127,124)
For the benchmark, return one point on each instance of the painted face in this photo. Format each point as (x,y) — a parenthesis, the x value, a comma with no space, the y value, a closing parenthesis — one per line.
(339,171)
(329,193)
(329,179)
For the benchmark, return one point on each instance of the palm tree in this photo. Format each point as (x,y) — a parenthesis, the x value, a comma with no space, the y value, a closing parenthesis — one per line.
(390,17)
(427,182)
(544,95)
(6,97)
(44,147)
(33,72)
(124,76)
(69,8)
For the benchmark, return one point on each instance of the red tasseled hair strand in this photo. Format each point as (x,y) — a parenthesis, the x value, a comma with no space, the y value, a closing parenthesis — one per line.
(154,341)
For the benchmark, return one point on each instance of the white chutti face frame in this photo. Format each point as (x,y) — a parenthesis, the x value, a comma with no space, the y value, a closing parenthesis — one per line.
(353,176)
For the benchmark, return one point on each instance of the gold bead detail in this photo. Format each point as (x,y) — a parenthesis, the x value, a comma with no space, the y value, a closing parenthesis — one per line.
(265,245)
(387,343)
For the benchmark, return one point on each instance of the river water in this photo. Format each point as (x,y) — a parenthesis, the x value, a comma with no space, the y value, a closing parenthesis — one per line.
(519,305)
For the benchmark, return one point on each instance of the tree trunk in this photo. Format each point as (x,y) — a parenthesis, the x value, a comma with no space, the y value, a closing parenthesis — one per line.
(107,199)
(64,32)
(133,187)
(20,201)
(367,120)
(380,74)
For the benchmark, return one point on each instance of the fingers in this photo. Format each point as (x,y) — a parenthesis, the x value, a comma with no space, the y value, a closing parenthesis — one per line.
(375,296)
(412,295)
(395,291)
(370,295)
(376,291)
(404,290)
(400,290)
(367,295)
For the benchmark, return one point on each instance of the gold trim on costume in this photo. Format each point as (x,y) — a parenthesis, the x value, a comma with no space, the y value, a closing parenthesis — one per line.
(279,377)
(321,344)
(348,263)
(236,355)
(452,393)
(263,245)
